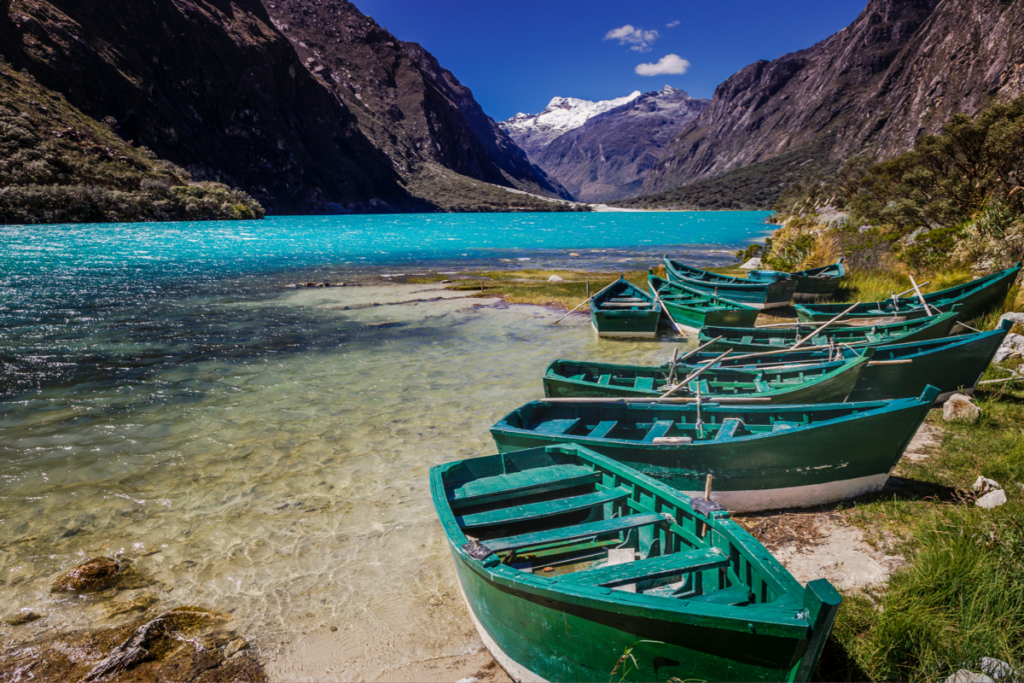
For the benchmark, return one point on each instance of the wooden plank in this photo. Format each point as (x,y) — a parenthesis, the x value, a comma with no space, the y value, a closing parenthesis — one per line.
(518,484)
(651,568)
(604,380)
(572,533)
(782,425)
(734,595)
(622,556)
(556,427)
(659,429)
(602,429)
(728,429)
(530,511)
(645,383)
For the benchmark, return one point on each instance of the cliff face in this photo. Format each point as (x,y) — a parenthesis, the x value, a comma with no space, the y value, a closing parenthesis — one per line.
(210,85)
(900,70)
(608,156)
(328,113)
(405,102)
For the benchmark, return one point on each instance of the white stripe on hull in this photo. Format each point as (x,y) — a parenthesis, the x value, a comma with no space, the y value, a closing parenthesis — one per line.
(623,335)
(795,496)
(516,671)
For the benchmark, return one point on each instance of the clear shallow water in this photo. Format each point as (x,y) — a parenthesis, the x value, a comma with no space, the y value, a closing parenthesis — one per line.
(254,449)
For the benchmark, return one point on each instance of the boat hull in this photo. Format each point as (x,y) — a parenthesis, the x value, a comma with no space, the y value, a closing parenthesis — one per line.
(796,468)
(760,295)
(833,388)
(940,328)
(546,638)
(972,304)
(811,285)
(694,320)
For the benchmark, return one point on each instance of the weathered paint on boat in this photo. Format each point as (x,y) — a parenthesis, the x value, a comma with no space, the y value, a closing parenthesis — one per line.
(735,289)
(703,601)
(624,310)
(823,383)
(693,309)
(951,364)
(754,339)
(762,457)
(974,298)
(811,284)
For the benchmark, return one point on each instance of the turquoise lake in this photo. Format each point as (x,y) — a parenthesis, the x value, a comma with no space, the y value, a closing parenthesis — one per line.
(260,451)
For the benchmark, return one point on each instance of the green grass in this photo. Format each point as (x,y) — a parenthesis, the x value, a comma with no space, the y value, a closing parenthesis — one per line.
(961,595)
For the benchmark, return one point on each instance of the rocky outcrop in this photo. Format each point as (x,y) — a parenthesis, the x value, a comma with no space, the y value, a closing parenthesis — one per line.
(900,70)
(608,156)
(210,85)
(412,108)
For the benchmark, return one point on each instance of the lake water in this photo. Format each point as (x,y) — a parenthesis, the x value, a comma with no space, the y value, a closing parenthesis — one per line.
(256,450)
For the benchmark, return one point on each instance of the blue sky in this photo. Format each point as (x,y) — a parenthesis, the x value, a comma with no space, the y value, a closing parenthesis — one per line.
(516,56)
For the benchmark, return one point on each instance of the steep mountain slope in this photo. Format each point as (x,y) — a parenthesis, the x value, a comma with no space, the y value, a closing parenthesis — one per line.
(57,165)
(411,107)
(899,70)
(608,156)
(534,132)
(210,85)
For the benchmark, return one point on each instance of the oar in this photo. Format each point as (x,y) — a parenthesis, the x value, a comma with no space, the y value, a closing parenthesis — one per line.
(677,328)
(821,329)
(694,375)
(578,307)
(923,284)
(920,296)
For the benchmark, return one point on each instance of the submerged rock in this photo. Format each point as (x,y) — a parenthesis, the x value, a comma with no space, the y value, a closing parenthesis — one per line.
(960,408)
(21,617)
(97,574)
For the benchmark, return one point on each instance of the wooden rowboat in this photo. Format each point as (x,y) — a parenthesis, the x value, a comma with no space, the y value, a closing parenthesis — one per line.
(692,309)
(821,383)
(735,289)
(974,298)
(568,561)
(811,284)
(762,457)
(777,338)
(896,371)
(624,310)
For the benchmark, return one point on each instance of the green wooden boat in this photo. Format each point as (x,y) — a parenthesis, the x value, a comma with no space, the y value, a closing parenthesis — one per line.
(762,457)
(568,560)
(735,289)
(821,383)
(624,310)
(896,371)
(974,298)
(754,339)
(811,284)
(692,309)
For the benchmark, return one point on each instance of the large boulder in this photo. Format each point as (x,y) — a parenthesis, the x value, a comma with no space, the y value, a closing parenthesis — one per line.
(97,574)
(752,264)
(960,408)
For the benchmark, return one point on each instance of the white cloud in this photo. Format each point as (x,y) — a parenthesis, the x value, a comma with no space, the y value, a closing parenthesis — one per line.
(673,24)
(638,39)
(669,64)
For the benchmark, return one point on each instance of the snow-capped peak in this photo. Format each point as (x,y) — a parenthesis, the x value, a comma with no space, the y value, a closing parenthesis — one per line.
(560,116)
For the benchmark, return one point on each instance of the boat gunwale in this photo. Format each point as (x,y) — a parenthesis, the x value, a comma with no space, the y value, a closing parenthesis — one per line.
(887,405)
(727,282)
(723,305)
(788,622)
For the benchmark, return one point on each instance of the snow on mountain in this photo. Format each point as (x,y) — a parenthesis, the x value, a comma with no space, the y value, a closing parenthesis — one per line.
(533,132)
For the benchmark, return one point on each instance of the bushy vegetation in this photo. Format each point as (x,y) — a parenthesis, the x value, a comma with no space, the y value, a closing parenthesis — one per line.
(956,197)
(57,165)
(752,188)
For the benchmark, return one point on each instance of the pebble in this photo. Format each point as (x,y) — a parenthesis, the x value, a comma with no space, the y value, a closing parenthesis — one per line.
(234,647)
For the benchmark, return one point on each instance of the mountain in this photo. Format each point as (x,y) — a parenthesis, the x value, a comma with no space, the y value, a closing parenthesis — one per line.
(533,132)
(897,72)
(413,109)
(217,88)
(608,156)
